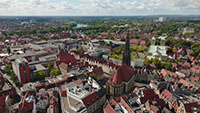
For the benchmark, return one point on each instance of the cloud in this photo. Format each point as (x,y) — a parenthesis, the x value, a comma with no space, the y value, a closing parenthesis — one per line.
(98,7)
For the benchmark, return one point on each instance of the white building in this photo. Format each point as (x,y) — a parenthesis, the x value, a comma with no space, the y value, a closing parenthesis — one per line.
(161,19)
(186,30)
(82,97)
(158,51)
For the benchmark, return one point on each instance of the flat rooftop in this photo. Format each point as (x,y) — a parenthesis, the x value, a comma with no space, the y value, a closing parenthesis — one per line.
(40,67)
(65,104)
(80,90)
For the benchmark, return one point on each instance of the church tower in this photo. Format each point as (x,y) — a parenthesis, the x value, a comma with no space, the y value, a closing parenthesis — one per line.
(127,52)
(162,41)
(153,41)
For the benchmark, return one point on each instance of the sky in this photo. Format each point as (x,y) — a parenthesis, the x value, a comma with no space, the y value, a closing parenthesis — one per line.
(98,7)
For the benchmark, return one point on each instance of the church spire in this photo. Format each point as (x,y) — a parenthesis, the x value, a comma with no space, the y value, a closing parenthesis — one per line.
(127,52)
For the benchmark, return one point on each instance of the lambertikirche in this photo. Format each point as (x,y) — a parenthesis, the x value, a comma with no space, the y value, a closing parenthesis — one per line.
(122,81)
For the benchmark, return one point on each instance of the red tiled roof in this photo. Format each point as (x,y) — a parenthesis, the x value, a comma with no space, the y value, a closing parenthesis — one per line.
(186,71)
(186,83)
(126,105)
(190,57)
(164,72)
(123,74)
(63,92)
(160,102)
(149,94)
(2,110)
(182,51)
(25,106)
(78,82)
(134,41)
(98,71)
(66,58)
(166,95)
(185,64)
(111,106)
(188,106)
(90,99)
(174,64)
(196,66)
(154,109)
(195,79)
(49,50)
(142,42)
(2,100)
(38,84)
(180,75)
(64,77)
(109,109)
(113,102)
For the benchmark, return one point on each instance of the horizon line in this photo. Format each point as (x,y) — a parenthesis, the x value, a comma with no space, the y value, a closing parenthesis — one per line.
(97,15)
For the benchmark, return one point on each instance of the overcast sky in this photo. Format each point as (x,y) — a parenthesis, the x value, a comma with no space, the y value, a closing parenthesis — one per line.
(98,7)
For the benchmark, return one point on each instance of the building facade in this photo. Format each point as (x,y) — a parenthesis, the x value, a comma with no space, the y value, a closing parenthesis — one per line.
(22,70)
(158,51)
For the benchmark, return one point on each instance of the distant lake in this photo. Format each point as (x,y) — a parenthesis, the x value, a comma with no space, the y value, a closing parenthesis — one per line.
(81,25)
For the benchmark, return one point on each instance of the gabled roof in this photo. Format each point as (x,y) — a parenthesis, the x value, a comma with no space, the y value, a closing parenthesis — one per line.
(110,107)
(195,79)
(186,83)
(90,99)
(123,74)
(98,71)
(167,94)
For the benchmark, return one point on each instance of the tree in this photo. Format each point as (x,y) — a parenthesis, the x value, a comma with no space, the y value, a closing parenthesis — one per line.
(93,75)
(106,44)
(170,50)
(155,61)
(49,66)
(55,72)
(100,55)
(196,51)
(39,76)
(140,49)
(80,50)
(8,69)
(147,62)
(169,67)
(8,50)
